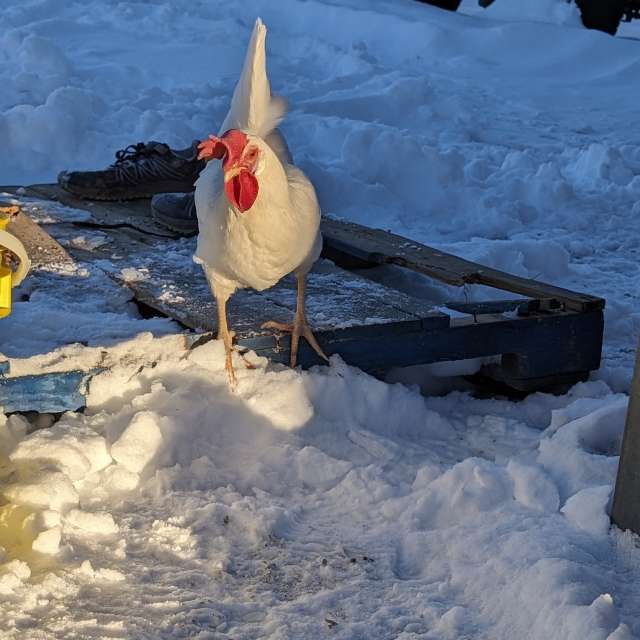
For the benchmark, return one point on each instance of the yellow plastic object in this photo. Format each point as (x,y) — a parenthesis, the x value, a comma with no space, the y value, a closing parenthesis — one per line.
(8,277)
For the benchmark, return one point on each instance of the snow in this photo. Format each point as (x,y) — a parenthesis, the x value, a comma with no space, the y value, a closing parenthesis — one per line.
(139,442)
(553,11)
(325,502)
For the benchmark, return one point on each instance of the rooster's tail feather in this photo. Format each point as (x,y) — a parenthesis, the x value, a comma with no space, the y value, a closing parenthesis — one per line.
(253,108)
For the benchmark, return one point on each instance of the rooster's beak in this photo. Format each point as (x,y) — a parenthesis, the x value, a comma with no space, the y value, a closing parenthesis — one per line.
(232,172)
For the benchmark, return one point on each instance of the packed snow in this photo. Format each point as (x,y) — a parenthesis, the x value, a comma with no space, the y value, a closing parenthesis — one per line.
(326,502)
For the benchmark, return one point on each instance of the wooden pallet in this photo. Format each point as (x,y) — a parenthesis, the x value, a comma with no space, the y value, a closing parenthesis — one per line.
(544,337)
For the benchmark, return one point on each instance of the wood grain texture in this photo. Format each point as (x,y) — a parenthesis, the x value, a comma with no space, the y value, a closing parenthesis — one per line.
(376,247)
(41,248)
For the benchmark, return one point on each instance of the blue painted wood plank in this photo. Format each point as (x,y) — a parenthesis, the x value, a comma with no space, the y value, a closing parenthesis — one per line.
(47,393)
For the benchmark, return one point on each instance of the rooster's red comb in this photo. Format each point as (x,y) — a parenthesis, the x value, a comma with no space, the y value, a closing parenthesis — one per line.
(230,144)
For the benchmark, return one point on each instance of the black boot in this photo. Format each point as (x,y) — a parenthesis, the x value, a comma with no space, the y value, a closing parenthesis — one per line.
(176,211)
(140,171)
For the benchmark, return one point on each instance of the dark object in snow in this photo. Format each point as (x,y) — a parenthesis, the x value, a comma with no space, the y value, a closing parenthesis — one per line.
(626,500)
(140,171)
(176,211)
(603,15)
(631,10)
(451,5)
(546,338)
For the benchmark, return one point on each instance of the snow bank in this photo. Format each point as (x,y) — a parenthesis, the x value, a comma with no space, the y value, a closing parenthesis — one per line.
(328,488)
(325,501)
(554,11)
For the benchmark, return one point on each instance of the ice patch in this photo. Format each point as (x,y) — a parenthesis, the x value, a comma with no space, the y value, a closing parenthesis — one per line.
(583,452)
(598,164)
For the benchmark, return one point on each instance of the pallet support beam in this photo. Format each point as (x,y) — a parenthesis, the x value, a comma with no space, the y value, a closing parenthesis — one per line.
(626,500)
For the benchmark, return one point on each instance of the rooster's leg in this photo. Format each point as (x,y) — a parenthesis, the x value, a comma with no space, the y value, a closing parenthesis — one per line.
(300,326)
(227,338)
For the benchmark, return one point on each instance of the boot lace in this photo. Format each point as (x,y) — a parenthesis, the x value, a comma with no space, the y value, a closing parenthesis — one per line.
(145,161)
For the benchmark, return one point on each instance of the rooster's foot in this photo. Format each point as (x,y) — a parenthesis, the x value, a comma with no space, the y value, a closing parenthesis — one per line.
(300,327)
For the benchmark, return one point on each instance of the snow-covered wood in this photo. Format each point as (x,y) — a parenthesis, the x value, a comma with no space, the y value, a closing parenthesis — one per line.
(540,343)
(348,241)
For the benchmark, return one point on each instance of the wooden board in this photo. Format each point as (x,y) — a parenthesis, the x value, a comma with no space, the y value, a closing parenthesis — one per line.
(47,393)
(41,248)
(346,242)
(550,335)
(107,215)
(159,270)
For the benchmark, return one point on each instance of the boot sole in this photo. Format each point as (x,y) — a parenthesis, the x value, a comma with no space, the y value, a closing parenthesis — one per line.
(162,221)
(128,193)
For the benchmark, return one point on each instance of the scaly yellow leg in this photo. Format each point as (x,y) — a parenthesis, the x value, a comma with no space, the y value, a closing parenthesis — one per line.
(300,326)
(227,338)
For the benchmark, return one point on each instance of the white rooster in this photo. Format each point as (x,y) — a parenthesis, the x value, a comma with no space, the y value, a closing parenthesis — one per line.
(259,217)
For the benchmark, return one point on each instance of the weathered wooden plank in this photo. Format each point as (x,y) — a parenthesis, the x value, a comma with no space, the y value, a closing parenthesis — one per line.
(336,300)
(161,274)
(41,248)
(536,347)
(377,247)
(626,500)
(489,307)
(47,393)
(172,284)
(369,325)
(133,213)
(351,242)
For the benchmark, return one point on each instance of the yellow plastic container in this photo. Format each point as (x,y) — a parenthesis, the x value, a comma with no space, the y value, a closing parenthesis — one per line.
(8,277)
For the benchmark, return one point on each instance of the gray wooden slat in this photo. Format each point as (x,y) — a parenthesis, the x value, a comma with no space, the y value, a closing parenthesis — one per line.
(376,247)
(172,284)
(133,213)
(335,299)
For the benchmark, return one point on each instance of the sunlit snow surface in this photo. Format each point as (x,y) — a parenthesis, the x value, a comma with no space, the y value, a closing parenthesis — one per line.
(329,504)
